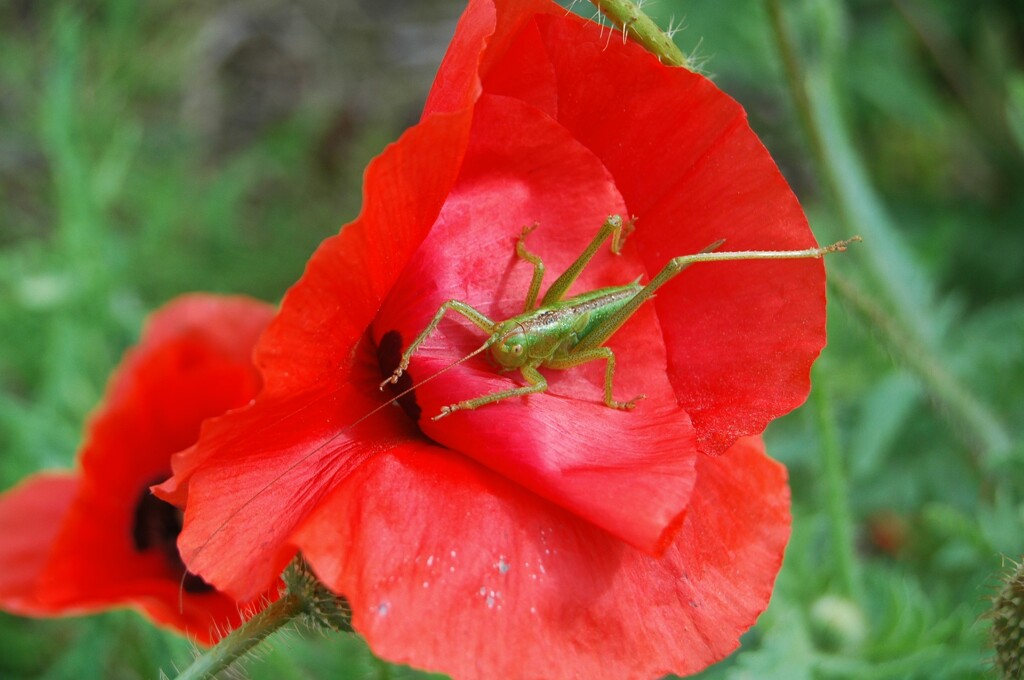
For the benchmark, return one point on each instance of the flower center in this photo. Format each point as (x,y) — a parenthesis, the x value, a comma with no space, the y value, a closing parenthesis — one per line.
(389,353)
(155,528)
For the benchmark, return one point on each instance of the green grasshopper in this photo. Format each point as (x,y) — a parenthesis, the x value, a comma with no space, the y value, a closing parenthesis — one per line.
(563,333)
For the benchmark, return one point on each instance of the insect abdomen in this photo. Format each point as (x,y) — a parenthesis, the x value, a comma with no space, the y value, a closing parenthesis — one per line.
(597,306)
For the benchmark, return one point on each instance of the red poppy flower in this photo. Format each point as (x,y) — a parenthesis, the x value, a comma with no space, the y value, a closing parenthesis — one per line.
(549,534)
(97,538)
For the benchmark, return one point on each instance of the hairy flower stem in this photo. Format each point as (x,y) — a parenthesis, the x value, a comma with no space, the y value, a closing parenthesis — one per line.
(244,639)
(628,18)
(304,598)
(837,503)
(906,329)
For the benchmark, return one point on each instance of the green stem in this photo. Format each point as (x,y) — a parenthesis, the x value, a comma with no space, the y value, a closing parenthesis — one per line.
(908,329)
(304,597)
(794,77)
(628,17)
(854,208)
(981,432)
(985,104)
(244,638)
(837,504)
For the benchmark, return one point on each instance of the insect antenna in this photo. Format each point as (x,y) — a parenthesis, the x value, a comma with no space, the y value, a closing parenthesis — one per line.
(234,513)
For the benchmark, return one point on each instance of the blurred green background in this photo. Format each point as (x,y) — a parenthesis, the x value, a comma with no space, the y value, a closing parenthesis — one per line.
(153,148)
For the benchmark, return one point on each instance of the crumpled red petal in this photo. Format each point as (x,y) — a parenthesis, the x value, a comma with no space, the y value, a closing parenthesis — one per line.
(431,549)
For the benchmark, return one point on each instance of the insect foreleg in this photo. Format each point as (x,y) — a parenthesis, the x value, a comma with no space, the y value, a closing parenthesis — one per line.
(614,227)
(462,308)
(538,267)
(596,354)
(537,383)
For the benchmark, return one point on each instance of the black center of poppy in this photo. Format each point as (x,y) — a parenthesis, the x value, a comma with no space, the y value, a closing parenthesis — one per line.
(156,528)
(389,354)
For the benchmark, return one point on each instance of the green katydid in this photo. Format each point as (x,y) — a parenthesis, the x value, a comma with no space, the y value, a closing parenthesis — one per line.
(563,333)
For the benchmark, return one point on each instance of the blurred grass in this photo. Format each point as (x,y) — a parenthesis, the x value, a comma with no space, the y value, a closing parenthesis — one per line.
(148,149)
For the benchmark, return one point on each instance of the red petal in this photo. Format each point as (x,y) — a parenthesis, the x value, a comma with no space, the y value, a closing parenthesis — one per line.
(482,35)
(449,567)
(30,517)
(741,336)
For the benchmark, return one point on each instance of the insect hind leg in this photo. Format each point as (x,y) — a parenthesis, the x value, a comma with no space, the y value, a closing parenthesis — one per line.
(538,267)
(613,227)
(597,354)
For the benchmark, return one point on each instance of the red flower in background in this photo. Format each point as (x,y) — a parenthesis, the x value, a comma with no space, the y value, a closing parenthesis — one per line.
(548,535)
(96,538)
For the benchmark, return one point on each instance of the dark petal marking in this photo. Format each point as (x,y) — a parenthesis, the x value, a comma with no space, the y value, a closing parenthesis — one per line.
(155,527)
(389,353)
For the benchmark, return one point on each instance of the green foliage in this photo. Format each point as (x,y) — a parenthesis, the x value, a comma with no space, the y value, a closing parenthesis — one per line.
(147,150)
